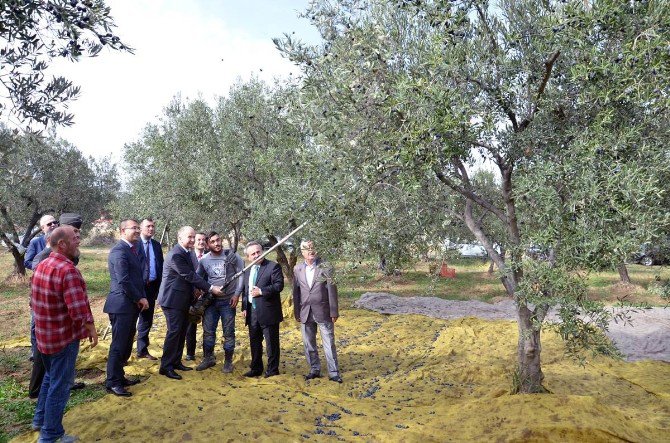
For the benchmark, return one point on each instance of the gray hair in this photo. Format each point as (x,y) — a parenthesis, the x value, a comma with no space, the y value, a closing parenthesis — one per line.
(44,218)
(252,243)
(305,242)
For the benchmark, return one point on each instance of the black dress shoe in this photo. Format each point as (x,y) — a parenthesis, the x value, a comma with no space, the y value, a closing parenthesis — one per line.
(182,368)
(312,375)
(252,374)
(190,357)
(336,379)
(270,374)
(147,356)
(119,391)
(77,385)
(130,382)
(169,374)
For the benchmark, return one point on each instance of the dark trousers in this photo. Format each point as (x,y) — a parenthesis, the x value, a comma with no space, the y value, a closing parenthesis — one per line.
(191,336)
(123,335)
(146,319)
(37,372)
(173,348)
(36,375)
(257,333)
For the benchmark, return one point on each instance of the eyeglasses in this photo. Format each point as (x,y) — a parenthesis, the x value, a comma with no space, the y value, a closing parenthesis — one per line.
(134,228)
(308,249)
(53,223)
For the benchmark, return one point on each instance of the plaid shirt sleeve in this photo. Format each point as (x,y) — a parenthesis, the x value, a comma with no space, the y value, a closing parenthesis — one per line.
(74,294)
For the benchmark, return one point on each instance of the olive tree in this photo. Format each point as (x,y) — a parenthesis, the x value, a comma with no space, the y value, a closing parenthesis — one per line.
(47,176)
(565,100)
(35,32)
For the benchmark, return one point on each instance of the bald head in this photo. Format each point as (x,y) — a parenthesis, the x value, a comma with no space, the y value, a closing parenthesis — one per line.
(65,240)
(186,237)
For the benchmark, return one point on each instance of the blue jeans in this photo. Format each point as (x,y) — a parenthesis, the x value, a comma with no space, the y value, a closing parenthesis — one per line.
(219,309)
(55,392)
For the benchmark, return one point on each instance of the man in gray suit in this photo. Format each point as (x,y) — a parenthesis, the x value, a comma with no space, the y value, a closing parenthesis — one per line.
(315,305)
(175,296)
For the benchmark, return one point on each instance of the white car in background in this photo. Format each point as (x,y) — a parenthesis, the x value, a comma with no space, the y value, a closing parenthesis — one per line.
(471,250)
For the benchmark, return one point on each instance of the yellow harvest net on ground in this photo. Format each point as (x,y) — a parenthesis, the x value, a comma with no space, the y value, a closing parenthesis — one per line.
(406,378)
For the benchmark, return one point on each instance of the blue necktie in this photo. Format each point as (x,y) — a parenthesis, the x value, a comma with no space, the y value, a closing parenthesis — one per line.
(254,276)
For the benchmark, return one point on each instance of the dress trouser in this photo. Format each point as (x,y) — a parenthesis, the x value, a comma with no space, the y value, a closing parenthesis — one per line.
(257,333)
(146,318)
(173,347)
(327,331)
(123,335)
(191,337)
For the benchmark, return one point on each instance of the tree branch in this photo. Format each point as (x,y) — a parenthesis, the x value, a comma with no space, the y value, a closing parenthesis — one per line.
(548,67)
(468,194)
(499,99)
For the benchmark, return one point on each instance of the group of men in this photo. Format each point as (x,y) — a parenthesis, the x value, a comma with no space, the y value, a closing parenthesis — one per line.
(140,277)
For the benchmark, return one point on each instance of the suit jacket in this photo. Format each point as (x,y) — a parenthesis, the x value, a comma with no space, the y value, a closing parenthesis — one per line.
(179,279)
(320,298)
(270,280)
(127,282)
(158,253)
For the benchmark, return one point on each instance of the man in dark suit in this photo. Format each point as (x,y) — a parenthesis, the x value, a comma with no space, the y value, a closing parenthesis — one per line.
(315,306)
(261,307)
(153,271)
(175,297)
(123,305)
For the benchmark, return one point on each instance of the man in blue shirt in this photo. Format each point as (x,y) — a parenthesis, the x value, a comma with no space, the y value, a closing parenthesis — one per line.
(47,224)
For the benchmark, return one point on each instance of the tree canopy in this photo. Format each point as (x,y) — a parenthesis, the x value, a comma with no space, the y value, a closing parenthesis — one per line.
(568,101)
(32,34)
(47,176)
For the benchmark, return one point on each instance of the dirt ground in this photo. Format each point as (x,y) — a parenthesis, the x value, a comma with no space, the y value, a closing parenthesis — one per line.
(406,378)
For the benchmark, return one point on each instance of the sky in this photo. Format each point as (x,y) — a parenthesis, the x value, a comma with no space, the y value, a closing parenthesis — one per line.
(196,48)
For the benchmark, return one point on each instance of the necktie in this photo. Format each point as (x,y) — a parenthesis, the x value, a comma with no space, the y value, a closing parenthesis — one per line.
(146,262)
(133,249)
(254,276)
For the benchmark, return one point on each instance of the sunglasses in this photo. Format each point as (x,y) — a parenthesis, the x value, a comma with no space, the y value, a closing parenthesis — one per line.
(53,223)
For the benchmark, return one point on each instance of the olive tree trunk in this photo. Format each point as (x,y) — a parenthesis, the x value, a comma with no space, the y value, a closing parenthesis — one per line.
(528,376)
(623,273)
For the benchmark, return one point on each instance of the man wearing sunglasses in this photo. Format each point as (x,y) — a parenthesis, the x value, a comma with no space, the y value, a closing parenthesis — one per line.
(47,224)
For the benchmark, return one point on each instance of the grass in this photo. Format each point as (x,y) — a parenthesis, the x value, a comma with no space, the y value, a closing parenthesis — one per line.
(16,410)
(472,281)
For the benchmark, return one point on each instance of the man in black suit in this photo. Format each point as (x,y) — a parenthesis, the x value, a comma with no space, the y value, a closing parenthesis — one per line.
(175,297)
(261,307)
(153,271)
(123,305)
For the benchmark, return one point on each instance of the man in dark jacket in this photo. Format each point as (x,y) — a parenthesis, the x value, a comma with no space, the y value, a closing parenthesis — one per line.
(123,305)
(175,297)
(153,271)
(261,306)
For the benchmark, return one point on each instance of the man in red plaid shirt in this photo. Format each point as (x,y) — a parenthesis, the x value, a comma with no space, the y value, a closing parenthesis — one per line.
(62,318)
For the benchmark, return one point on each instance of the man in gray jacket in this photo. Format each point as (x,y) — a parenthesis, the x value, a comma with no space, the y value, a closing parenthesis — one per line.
(217,267)
(315,306)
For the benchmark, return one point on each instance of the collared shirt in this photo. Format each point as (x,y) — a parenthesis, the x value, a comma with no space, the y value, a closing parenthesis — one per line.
(146,245)
(60,304)
(309,273)
(253,277)
(199,254)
